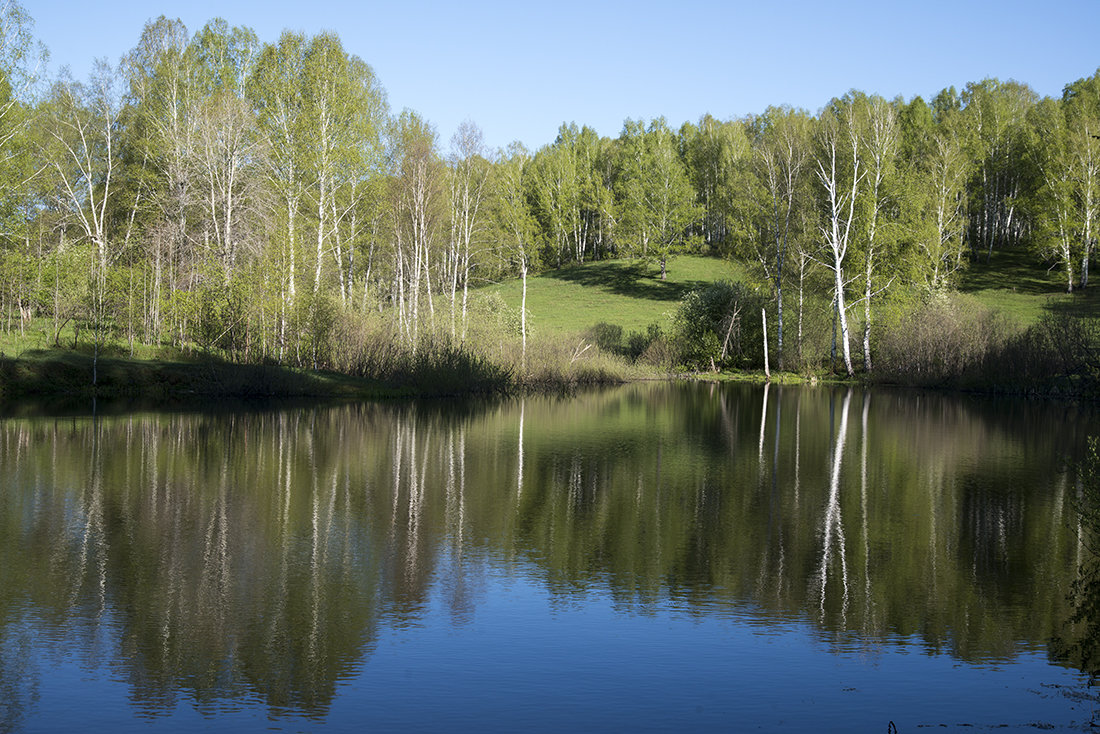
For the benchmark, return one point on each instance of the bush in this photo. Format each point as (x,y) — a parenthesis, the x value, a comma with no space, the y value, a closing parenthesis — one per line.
(1059,355)
(948,339)
(951,341)
(715,326)
(608,337)
(660,354)
(639,343)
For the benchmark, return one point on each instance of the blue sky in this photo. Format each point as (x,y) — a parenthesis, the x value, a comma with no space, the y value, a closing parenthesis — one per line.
(519,70)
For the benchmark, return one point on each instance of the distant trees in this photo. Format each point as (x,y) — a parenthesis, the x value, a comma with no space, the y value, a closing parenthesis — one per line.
(469,187)
(657,201)
(513,224)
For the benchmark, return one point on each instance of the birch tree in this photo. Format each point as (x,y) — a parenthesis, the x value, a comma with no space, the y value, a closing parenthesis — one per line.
(227,147)
(1053,205)
(719,159)
(228,156)
(22,62)
(878,140)
(840,174)
(164,100)
(782,155)
(657,201)
(280,115)
(555,188)
(596,168)
(417,191)
(1081,102)
(947,169)
(343,111)
(469,172)
(995,112)
(359,176)
(514,223)
(82,152)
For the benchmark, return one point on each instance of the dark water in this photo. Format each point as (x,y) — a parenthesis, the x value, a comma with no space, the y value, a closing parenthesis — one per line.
(647,558)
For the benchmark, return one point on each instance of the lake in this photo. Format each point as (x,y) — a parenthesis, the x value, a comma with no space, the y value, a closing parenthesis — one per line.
(645,558)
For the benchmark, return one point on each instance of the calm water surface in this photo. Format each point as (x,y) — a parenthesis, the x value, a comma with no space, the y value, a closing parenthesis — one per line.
(653,557)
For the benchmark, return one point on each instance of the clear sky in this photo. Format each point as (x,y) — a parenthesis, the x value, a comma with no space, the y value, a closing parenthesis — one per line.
(520,69)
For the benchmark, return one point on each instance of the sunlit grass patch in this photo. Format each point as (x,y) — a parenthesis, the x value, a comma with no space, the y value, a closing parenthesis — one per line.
(628,293)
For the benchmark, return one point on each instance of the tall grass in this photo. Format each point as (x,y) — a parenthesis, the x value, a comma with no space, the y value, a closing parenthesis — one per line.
(953,341)
(489,360)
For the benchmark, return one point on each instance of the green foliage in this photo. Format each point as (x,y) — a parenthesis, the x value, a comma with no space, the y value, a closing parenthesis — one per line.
(638,343)
(256,200)
(493,317)
(718,326)
(719,159)
(608,337)
(657,202)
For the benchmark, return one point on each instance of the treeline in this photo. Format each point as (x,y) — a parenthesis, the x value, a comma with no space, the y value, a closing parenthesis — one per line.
(260,198)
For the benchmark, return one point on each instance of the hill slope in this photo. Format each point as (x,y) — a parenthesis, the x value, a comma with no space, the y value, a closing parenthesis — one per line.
(628,293)
(1017,284)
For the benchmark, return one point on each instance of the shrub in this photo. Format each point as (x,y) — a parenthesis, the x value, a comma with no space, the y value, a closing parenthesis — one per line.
(608,337)
(715,325)
(638,343)
(949,339)
(1060,354)
(660,354)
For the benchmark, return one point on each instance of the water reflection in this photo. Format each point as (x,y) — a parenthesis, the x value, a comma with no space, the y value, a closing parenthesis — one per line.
(259,555)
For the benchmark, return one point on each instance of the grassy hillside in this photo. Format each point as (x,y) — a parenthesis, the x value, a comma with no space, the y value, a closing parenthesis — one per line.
(628,293)
(1017,284)
(632,294)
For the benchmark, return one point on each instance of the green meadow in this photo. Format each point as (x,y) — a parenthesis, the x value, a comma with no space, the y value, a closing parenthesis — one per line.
(627,293)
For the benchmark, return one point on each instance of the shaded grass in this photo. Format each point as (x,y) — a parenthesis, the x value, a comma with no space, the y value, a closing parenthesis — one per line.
(59,372)
(1021,286)
(628,293)
(1018,271)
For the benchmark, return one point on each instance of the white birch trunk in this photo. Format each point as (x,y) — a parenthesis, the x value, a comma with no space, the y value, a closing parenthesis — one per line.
(523,318)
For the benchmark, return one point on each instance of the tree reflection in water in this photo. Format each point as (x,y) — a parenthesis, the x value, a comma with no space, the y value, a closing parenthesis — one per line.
(1079,644)
(259,555)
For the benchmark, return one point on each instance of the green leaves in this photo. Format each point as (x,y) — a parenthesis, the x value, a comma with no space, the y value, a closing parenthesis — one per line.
(657,199)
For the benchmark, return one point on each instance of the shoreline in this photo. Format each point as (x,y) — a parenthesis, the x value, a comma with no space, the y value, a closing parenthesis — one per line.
(64,379)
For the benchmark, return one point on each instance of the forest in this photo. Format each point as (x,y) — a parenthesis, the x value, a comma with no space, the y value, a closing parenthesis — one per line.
(258,200)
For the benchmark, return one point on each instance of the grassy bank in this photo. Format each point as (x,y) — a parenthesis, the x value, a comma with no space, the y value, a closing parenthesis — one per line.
(380,369)
(69,373)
